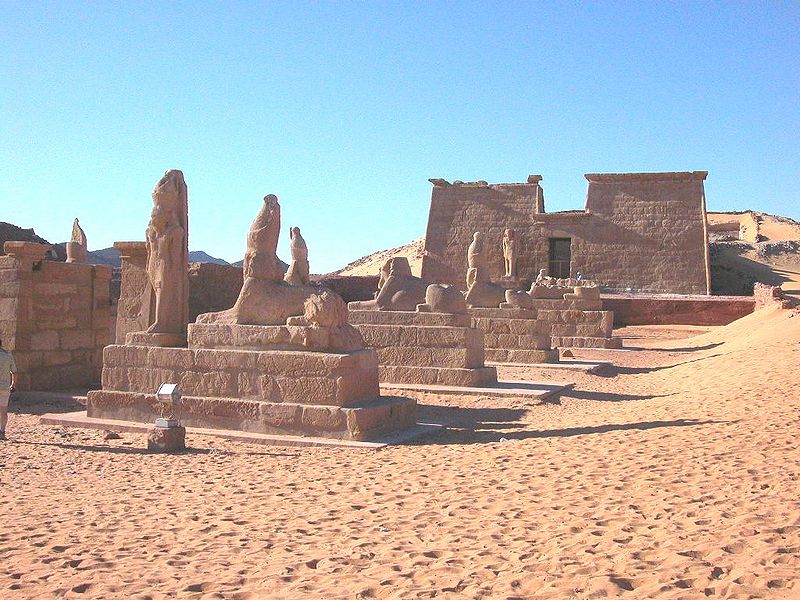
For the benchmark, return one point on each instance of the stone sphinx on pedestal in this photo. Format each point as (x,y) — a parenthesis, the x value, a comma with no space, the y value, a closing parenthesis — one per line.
(423,335)
(398,289)
(282,360)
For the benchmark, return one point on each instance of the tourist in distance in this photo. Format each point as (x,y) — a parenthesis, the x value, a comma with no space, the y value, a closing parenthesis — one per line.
(8,379)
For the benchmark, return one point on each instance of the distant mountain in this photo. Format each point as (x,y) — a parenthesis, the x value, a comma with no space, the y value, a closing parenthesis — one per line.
(11,233)
(106,256)
(201,257)
(284,266)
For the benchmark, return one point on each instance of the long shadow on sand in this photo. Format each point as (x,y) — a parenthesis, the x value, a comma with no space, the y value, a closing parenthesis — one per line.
(601,396)
(39,403)
(487,436)
(613,371)
(134,450)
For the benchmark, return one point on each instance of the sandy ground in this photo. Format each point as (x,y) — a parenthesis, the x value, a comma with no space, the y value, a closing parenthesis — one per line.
(673,475)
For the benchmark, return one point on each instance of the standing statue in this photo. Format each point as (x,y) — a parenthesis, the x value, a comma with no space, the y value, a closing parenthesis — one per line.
(298,272)
(77,251)
(476,260)
(510,253)
(167,243)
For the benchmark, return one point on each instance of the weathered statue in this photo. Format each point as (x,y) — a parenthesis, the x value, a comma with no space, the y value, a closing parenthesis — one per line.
(265,299)
(476,260)
(167,243)
(510,253)
(77,250)
(443,298)
(298,272)
(544,279)
(398,289)
(481,292)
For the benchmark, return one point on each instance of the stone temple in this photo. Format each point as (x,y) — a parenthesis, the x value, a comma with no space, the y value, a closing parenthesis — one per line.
(645,232)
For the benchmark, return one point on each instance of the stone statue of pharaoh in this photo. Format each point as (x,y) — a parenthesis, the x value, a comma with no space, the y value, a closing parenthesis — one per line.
(510,253)
(298,272)
(167,254)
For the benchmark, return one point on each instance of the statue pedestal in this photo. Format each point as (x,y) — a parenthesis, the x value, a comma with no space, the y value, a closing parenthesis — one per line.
(166,439)
(156,340)
(514,335)
(425,348)
(258,389)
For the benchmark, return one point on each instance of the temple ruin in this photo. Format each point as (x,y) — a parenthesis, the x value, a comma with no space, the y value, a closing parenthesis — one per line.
(644,232)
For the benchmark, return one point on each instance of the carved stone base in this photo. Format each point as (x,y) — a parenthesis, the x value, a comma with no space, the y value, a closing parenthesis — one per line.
(425,348)
(157,340)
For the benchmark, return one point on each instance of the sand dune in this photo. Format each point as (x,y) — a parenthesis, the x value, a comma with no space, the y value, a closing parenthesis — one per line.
(675,475)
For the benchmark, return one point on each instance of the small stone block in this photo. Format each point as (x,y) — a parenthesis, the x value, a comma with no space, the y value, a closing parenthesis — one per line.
(166,439)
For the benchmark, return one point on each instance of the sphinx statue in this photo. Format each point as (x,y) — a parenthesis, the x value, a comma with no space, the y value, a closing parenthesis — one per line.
(443,298)
(167,243)
(265,298)
(298,272)
(398,289)
(77,250)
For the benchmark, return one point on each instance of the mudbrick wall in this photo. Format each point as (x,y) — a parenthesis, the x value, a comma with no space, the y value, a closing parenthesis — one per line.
(645,232)
(55,317)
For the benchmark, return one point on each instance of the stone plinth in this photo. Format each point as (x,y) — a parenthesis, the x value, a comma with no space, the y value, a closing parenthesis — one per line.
(514,335)
(425,348)
(268,391)
(166,439)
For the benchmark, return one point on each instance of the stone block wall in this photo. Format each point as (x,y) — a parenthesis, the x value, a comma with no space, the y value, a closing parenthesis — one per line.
(211,288)
(458,211)
(55,317)
(670,309)
(641,231)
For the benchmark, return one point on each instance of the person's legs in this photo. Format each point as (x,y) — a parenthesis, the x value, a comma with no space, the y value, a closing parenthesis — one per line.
(3,413)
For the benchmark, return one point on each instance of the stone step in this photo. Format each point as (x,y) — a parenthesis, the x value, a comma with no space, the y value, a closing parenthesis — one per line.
(396,317)
(586,342)
(368,418)
(437,375)
(511,355)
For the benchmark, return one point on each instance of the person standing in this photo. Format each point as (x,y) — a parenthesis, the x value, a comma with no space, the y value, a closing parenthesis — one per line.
(8,379)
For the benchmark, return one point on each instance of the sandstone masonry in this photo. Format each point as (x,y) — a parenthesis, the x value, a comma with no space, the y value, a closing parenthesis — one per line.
(639,231)
(55,317)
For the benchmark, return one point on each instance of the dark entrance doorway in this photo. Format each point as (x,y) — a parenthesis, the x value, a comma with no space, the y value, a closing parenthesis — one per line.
(560,256)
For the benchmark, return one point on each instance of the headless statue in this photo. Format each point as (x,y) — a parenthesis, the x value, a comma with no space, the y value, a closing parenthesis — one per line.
(510,253)
(298,272)
(77,251)
(265,298)
(168,253)
(476,260)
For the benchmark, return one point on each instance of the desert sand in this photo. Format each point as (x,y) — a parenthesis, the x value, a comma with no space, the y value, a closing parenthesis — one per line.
(672,475)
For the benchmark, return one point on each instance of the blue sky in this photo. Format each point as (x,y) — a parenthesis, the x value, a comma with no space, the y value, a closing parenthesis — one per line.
(344,110)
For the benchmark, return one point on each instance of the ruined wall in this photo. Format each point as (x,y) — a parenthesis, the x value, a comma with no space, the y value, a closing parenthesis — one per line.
(640,231)
(211,288)
(55,318)
(136,295)
(459,210)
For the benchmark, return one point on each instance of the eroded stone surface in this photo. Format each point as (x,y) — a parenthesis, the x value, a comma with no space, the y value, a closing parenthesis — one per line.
(77,249)
(398,289)
(167,239)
